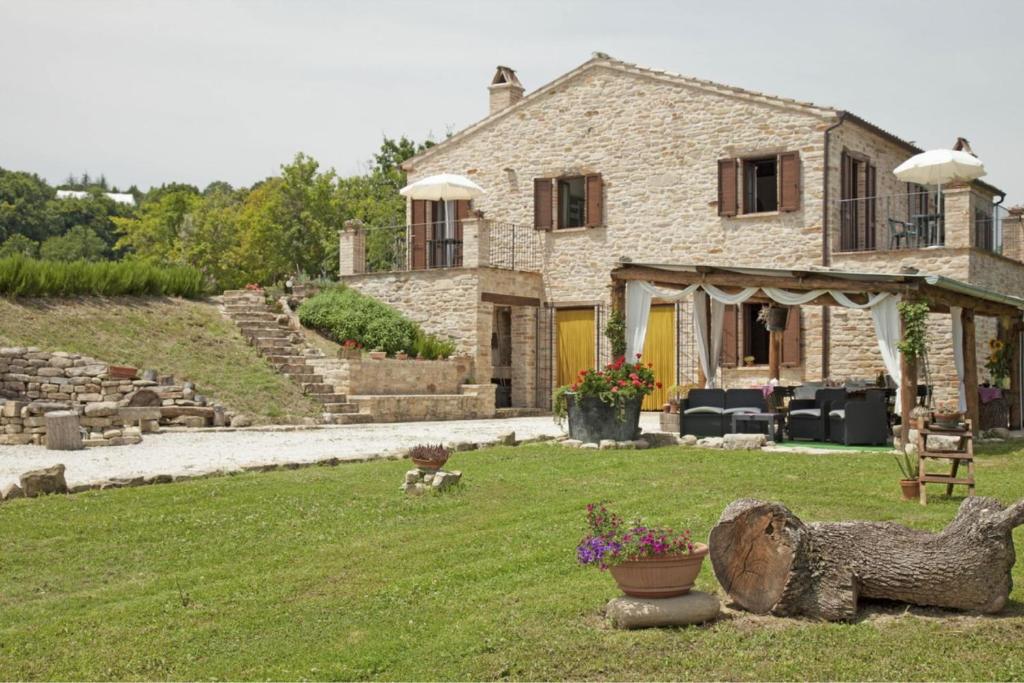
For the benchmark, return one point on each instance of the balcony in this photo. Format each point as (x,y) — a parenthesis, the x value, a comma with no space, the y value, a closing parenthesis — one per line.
(468,243)
(963,218)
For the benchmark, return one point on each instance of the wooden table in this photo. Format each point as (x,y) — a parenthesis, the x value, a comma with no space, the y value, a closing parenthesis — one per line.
(963,453)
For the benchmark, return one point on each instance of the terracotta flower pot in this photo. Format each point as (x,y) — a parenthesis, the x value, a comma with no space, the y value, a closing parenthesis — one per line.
(122,372)
(401,355)
(432,465)
(910,489)
(660,577)
(378,355)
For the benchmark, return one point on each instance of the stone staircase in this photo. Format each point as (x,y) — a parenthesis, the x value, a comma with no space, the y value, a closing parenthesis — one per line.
(287,351)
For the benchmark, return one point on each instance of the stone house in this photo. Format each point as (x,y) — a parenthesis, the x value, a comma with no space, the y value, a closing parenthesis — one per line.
(612,162)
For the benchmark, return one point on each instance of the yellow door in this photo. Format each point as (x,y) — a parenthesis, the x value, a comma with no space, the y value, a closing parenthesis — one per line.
(660,349)
(575,334)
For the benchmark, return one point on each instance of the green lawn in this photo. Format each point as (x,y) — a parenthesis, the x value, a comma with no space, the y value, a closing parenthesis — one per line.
(188,339)
(331,573)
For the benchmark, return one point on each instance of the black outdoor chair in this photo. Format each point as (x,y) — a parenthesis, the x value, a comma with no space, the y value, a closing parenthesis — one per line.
(808,419)
(702,413)
(743,401)
(902,231)
(860,421)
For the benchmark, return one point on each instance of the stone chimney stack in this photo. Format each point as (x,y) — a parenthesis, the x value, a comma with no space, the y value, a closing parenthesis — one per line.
(505,89)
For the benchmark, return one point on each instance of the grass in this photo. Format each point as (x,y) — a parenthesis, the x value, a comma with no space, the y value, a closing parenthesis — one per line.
(331,573)
(189,339)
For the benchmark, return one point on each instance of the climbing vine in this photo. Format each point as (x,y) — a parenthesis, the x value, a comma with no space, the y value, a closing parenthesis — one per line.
(615,330)
(915,319)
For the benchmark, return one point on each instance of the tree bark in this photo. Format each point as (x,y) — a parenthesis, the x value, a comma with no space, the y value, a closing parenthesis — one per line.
(769,561)
(62,431)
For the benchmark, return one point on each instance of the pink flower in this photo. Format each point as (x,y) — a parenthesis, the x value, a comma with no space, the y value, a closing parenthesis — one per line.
(615,390)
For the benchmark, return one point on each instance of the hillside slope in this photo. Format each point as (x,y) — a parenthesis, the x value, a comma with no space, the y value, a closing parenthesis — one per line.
(189,339)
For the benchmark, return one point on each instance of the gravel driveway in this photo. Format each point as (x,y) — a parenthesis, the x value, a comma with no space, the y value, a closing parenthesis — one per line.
(199,452)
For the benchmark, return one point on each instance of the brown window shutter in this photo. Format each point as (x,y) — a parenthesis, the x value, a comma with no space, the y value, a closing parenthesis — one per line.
(542,200)
(418,250)
(728,193)
(462,212)
(789,181)
(870,205)
(791,339)
(595,201)
(730,351)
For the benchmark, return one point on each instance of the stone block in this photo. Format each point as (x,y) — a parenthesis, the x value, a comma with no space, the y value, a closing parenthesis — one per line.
(12,408)
(11,491)
(44,481)
(192,421)
(711,442)
(695,607)
(606,444)
(743,442)
(101,409)
(688,440)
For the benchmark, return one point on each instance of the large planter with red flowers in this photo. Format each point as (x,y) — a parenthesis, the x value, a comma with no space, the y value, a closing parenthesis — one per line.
(660,577)
(591,420)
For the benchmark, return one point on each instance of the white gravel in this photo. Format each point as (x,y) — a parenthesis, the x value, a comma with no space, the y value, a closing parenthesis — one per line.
(200,452)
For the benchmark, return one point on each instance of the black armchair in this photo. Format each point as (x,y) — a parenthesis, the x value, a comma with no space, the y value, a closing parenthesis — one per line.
(860,421)
(702,413)
(743,401)
(809,419)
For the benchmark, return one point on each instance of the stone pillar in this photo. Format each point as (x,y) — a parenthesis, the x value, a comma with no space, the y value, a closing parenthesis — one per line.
(524,357)
(476,243)
(1013,233)
(958,216)
(352,248)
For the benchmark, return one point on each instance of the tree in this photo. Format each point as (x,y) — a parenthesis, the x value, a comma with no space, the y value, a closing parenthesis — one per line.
(19,244)
(79,243)
(162,225)
(26,206)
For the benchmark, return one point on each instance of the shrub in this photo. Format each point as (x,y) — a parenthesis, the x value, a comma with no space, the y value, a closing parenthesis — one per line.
(343,314)
(21,276)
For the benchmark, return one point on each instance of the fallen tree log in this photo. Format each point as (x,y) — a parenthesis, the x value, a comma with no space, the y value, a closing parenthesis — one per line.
(769,561)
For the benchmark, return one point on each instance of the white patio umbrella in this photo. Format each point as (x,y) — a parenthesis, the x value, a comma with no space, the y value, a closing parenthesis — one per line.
(442,187)
(940,167)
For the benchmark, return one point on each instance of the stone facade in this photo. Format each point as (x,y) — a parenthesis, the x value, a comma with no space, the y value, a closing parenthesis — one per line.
(656,139)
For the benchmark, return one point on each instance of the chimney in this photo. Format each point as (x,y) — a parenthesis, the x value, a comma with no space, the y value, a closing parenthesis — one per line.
(505,89)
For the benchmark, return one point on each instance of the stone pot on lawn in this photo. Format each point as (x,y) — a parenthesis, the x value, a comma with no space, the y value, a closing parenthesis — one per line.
(660,577)
(591,420)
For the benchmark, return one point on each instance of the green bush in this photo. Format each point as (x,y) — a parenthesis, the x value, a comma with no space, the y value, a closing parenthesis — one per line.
(341,314)
(22,276)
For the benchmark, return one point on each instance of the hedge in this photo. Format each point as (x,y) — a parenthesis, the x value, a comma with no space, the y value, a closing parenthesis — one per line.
(28,277)
(341,314)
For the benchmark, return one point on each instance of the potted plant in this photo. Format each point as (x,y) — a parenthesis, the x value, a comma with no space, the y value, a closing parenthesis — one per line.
(428,457)
(350,349)
(605,404)
(645,561)
(748,361)
(909,485)
(947,418)
(378,354)
(773,317)
(401,355)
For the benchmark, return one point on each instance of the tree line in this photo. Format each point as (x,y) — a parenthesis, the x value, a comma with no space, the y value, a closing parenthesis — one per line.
(280,226)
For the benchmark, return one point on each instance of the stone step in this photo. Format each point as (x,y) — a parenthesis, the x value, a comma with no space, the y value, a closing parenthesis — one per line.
(341,408)
(271,342)
(317,388)
(294,369)
(330,398)
(246,318)
(265,332)
(280,350)
(307,378)
(347,418)
(285,360)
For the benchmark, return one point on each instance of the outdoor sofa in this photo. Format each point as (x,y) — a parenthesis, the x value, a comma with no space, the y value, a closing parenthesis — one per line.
(860,421)
(708,412)
(809,418)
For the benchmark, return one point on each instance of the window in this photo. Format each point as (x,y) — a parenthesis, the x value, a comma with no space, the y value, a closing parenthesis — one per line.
(755,335)
(572,202)
(760,185)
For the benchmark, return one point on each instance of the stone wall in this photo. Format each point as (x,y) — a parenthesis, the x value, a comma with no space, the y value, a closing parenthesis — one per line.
(40,381)
(392,376)
(473,401)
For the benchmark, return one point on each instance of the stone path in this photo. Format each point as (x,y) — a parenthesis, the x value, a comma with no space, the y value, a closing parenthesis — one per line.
(198,452)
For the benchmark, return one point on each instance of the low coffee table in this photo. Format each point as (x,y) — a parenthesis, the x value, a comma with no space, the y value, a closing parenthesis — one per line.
(772,421)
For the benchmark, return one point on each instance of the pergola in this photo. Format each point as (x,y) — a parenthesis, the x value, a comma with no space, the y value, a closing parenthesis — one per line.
(829,287)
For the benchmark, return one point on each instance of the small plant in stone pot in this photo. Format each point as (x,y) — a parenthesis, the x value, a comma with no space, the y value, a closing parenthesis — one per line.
(646,561)
(909,486)
(430,457)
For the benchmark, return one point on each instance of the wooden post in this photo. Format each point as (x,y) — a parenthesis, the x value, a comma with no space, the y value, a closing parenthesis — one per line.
(619,296)
(774,354)
(971,368)
(908,391)
(1013,338)
(62,431)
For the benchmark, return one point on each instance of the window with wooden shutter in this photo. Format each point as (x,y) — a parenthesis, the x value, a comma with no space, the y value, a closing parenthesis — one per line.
(418,248)
(730,350)
(728,193)
(791,352)
(789,181)
(595,201)
(870,206)
(542,201)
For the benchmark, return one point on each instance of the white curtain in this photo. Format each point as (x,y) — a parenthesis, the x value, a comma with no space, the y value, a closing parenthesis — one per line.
(958,353)
(886,316)
(638,311)
(730,299)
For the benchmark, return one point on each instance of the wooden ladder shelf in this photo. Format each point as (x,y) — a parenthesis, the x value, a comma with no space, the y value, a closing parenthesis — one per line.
(963,453)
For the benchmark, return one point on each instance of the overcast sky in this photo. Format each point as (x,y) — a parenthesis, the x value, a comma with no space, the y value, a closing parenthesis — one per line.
(151,92)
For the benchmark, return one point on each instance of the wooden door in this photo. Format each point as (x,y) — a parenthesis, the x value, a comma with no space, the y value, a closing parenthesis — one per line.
(660,349)
(575,339)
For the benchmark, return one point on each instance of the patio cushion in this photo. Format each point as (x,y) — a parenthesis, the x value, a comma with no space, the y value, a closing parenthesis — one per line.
(730,411)
(812,412)
(703,409)
(838,413)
